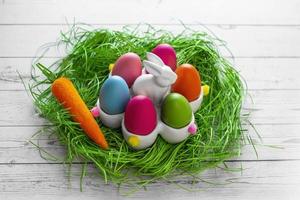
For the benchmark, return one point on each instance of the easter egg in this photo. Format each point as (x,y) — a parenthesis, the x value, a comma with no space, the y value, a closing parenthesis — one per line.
(114,95)
(140,115)
(167,54)
(129,67)
(176,111)
(188,82)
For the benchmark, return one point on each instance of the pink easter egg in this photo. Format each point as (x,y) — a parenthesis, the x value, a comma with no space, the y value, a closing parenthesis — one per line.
(129,67)
(140,115)
(167,54)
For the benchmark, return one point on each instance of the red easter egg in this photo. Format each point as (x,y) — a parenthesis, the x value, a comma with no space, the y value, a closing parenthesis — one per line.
(140,115)
(129,67)
(167,54)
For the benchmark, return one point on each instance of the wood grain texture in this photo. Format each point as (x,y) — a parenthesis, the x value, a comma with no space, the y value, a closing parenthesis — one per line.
(259,180)
(243,41)
(255,12)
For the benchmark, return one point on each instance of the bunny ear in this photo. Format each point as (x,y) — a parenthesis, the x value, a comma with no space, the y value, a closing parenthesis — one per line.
(152,68)
(155,59)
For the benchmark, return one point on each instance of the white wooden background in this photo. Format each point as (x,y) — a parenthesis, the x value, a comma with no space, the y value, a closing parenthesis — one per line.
(264,36)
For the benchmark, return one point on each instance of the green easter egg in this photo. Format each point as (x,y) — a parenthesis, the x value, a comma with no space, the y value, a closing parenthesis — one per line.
(176,111)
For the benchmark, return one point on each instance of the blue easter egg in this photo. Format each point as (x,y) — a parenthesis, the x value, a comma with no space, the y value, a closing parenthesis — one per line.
(114,95)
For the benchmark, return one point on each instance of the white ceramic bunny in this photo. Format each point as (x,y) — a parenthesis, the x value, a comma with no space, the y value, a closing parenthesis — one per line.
(157,83)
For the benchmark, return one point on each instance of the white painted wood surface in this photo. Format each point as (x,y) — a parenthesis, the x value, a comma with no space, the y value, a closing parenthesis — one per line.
(264,38)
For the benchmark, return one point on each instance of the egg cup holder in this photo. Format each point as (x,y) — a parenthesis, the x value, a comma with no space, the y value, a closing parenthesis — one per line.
(195,105)
(112,121)
(171,135)
(168,133)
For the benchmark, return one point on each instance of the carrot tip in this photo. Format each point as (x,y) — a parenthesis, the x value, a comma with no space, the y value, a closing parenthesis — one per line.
(104,146)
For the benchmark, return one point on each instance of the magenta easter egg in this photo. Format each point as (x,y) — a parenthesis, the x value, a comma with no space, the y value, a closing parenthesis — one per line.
(129,67)
(140,115)
(167,54)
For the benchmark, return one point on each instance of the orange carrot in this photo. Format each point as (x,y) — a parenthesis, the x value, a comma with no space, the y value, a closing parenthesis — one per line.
(65,92)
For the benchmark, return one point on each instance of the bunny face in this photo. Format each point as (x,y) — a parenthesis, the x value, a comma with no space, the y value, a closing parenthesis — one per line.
(167,78)
(163,74)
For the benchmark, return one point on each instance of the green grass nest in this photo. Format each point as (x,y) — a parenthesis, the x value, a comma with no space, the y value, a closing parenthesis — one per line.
(219,136)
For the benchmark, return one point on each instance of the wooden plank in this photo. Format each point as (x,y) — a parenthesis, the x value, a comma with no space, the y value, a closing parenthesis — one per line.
(243,41)
(253,70)
(268,107)
(276,12)
(279,142)
(259,180)
(270,73)
(16,108)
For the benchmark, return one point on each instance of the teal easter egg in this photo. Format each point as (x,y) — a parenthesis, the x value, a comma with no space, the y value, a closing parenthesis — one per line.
(176,111)
(114,95)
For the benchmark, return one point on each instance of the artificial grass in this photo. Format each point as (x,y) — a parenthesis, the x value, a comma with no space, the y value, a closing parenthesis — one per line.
(219,136)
